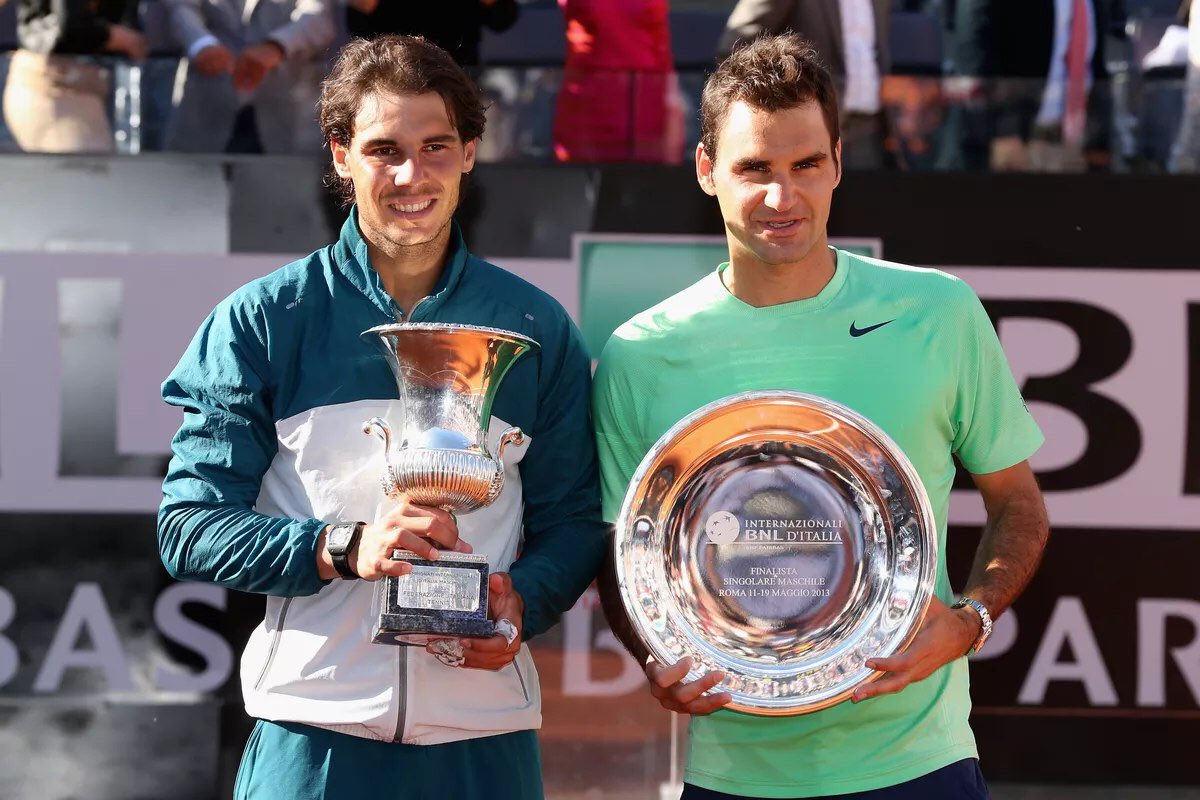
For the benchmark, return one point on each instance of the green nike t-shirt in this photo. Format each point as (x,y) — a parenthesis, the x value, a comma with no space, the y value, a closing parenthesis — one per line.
(910,349)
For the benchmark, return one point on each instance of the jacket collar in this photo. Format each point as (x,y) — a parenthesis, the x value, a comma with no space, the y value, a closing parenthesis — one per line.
(354,262)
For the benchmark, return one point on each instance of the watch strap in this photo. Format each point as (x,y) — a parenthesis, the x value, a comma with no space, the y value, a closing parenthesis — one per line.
(339,542)
(985,619)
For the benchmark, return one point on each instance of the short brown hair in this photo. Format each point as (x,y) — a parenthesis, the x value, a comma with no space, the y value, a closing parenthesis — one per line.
(771,73)
(394,65)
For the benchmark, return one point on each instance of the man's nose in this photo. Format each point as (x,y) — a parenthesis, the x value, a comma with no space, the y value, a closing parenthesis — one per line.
(407,172)
(781,195)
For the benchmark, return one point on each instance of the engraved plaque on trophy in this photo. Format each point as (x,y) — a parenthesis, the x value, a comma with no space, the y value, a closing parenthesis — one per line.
(438,599)
(437,455)
(780,538)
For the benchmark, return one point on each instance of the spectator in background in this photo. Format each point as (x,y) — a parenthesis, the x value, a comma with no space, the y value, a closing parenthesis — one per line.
(1039,67)
(453,25)
(619,99)
(851,36)
(1185,155)
(56,99)
(249,81)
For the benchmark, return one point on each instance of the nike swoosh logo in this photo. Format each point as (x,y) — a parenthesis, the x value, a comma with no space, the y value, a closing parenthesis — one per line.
(854,331)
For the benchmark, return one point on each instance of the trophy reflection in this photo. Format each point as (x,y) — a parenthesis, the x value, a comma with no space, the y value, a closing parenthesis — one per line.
(437,455)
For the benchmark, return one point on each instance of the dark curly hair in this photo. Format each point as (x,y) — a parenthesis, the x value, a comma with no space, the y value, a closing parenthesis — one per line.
(395,65)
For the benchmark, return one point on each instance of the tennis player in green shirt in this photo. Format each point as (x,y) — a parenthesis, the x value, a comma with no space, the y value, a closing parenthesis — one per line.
(910,349)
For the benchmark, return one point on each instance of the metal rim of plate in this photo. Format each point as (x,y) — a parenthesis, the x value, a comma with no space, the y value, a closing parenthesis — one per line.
(898,548)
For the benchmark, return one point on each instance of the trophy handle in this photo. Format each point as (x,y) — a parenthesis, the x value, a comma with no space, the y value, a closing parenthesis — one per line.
(511,436)
(380,428)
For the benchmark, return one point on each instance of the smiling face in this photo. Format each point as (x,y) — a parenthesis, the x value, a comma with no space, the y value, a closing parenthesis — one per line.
(406,162)
(773,177)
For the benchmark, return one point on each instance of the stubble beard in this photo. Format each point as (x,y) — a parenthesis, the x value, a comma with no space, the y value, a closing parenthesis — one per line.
(394,248)
(772,255)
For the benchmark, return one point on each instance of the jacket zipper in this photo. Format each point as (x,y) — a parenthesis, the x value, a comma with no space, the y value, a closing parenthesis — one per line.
(521,678)
(274,644)
(402,675)
(412,315)
(401,694)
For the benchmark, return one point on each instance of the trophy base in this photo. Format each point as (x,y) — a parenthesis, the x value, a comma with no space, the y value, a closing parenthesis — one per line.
(419,631)
(442,599)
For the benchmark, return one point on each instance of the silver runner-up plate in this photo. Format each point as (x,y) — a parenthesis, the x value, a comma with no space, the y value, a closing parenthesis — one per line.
(782,539)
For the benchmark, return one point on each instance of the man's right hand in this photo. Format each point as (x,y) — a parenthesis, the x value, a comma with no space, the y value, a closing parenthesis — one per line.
(126,40)
(685,697)
(407,526)
(214,60)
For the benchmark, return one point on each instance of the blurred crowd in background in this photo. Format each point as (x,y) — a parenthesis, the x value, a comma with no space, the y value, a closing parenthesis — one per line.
(1032,85)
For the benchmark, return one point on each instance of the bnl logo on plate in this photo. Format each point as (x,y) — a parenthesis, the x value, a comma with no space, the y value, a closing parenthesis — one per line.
(722,527)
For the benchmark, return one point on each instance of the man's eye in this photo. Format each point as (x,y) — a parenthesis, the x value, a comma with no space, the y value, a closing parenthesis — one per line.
(436,148)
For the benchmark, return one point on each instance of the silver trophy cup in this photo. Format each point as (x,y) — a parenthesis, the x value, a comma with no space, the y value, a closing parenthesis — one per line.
(437,455)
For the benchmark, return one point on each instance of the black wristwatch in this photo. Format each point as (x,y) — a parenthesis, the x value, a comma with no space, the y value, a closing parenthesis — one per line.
(339,542)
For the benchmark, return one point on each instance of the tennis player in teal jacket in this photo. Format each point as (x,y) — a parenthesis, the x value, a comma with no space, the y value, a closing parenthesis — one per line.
(275,388)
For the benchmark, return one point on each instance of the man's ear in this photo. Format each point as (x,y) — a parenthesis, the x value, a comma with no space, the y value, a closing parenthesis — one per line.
(340,154)
(837,163)
(704,168)
(469,155)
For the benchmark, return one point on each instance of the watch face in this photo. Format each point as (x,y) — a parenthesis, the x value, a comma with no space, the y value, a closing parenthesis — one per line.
(339,537)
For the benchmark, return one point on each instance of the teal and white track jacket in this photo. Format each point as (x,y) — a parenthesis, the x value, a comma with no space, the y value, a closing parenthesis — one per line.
(274,388)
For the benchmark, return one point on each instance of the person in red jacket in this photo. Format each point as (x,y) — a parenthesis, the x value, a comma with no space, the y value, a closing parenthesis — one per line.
(619,99)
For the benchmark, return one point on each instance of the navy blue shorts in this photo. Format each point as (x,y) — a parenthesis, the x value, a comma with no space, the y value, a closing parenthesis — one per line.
(961,780)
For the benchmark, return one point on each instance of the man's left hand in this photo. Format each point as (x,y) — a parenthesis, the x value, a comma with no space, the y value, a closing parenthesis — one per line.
(254,63)
(495,652)
(945,634)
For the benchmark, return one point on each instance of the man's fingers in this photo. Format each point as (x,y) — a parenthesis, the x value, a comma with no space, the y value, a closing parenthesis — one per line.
(708,703)
(440,531)
(891,664)
(426,522)
(499,599)
(492,644)
(492,653)
(417,544)
(406,509)
(687,692)
(244,71)
(892,682)
(389,566)
(500,583)
(664,676)
(705,704)
(668,686)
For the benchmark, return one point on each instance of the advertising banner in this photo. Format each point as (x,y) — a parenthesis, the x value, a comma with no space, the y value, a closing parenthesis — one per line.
(108,665)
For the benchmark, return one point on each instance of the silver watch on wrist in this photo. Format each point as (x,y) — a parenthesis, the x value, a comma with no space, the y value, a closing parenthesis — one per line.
(985,618)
